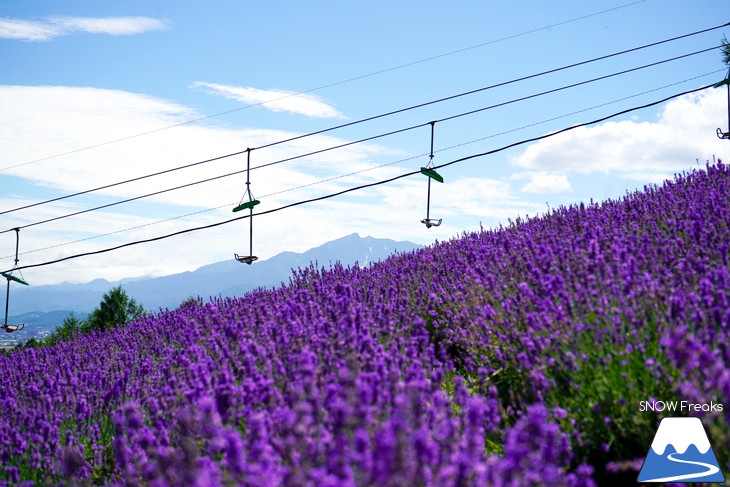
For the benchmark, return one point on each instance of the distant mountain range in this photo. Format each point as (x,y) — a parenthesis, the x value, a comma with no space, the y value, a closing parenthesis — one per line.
(46,306)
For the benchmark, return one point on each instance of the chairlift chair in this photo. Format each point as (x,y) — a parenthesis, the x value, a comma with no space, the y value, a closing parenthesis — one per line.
(19,279)
(247,203)
(431,222)
(9,276)
(246,259)
(12,328)
(431,173)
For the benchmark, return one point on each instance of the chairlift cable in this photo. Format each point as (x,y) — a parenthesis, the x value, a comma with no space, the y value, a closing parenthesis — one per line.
(318,132)
(368,185)
(337,83)
(580,83)
(340,176)
(366,139)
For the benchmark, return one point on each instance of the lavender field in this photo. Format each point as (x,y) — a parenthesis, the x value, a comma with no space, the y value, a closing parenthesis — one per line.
(508,357)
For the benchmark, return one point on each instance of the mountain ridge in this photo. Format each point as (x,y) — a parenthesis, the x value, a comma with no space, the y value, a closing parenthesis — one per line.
(225,278)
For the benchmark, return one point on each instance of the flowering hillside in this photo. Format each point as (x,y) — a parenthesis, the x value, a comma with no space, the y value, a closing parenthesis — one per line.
(508,357)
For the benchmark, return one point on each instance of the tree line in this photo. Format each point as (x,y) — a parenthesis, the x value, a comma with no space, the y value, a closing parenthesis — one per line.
(115,308)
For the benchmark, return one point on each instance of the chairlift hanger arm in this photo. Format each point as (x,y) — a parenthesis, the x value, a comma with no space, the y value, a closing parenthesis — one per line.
(726,81)
(9,274)
(251,201)
(432,174)
(11,277)
(248,205)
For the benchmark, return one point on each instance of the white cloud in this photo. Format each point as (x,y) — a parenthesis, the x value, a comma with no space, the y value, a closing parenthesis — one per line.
(683,132)
(542,182)
(51,27)
(477,197)
(27,30)
(484,197)
(40,122)
(648,177)
(44,121)
(115,26)
(274,100)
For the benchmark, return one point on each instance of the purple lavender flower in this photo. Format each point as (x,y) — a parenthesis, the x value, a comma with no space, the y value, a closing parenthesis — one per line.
(454,365)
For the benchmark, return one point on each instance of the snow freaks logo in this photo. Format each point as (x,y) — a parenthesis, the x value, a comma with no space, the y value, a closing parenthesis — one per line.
(682,406)
(681,452)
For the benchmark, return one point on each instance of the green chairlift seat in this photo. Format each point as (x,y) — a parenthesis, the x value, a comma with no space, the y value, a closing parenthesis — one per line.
(431,173)
(246,205)
(11,277)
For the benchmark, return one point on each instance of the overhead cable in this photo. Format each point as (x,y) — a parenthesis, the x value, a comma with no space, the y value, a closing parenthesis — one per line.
(336,83)
(366,139)
(371,168)
(367,119)
(356,188)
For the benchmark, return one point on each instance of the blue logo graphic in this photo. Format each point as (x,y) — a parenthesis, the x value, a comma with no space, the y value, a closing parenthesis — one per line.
(681,452)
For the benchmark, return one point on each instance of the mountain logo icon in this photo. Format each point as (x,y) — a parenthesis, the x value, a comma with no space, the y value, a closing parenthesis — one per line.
(681,452)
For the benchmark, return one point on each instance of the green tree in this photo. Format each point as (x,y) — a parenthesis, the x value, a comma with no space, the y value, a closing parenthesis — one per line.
(32,343)
(70,327)
(115,308)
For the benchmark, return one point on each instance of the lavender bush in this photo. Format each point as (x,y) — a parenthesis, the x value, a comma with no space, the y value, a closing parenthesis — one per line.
(508,357)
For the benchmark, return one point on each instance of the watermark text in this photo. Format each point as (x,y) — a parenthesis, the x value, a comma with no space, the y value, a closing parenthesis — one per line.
(679,406)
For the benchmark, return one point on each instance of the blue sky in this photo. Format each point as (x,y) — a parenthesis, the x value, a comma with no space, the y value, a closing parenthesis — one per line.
(78,76)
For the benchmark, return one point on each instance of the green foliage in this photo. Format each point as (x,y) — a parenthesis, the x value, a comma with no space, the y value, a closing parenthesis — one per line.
(725,51)
(601,392)
(71,327)
(32,343)
(115,308)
